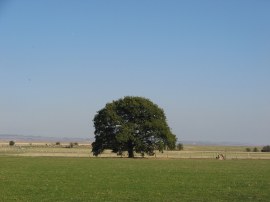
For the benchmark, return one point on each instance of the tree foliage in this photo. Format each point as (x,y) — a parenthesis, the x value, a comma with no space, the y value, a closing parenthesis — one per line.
(248,149)
(266,148)
(132,124)
(255,149)
(180,146)
(11,143)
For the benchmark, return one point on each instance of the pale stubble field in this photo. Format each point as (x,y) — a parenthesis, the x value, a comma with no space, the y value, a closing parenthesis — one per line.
(84,150)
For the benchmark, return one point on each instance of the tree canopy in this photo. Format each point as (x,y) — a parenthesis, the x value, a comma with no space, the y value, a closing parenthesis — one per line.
(132,124)
(266,148)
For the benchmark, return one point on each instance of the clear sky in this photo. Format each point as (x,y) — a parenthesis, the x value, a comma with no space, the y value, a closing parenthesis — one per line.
(206,63)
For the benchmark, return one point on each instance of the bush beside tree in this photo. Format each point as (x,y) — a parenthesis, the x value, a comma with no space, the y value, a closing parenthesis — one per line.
(179,146)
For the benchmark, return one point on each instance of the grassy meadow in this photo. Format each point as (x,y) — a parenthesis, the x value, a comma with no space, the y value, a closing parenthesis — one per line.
(122,179)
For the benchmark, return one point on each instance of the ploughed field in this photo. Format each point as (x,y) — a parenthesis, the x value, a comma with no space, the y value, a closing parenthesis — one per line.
(123,179)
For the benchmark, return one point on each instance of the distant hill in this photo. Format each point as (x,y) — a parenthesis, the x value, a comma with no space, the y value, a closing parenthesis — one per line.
(28,138)
(222,143)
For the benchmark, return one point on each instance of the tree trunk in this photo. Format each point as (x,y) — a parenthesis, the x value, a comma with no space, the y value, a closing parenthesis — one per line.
(130,153)
(130,150)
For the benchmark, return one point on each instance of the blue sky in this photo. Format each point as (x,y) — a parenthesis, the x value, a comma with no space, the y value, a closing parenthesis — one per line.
(206,63)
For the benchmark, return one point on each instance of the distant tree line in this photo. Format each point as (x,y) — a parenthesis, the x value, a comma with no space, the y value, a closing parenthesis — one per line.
(71,144)
(255,149)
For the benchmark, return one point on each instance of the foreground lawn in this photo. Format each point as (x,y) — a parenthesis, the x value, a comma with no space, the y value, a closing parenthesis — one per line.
(108,179)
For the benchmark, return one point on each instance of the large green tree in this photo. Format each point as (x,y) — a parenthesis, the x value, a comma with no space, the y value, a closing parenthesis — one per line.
(132,124)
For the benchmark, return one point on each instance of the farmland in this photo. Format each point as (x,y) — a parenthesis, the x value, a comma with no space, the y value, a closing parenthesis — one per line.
(84,150)
(50,172)
(122,179)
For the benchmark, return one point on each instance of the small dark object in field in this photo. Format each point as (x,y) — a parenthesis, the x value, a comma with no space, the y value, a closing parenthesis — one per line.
(255,149)
(220,157)
(248,150)
(11,143)
(180,146)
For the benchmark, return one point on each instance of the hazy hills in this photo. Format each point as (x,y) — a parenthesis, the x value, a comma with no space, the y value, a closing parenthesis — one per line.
(30,138)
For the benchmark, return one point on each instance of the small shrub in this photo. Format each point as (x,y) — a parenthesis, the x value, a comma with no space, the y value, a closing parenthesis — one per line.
(11,143)
(255,149)
(248,150)
(266,148)
(180,146)
(76,143)
(71,145)
(57,143)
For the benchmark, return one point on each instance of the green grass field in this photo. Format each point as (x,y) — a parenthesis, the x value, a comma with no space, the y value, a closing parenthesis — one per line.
(122,179)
